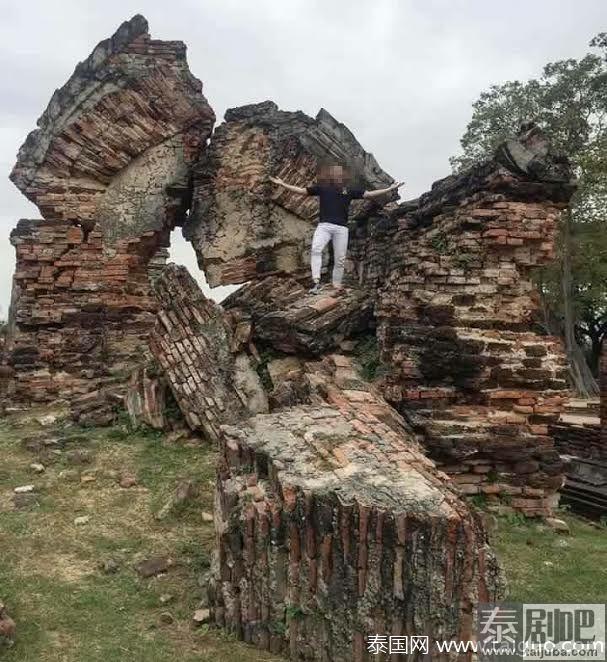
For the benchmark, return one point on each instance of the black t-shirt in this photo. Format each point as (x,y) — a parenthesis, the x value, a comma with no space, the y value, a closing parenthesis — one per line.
(334,202)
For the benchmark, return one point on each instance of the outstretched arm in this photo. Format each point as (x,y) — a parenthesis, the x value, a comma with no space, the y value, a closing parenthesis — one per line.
(289,187)
(382,191)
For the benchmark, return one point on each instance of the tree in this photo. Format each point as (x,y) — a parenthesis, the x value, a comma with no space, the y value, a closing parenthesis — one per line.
(568,101)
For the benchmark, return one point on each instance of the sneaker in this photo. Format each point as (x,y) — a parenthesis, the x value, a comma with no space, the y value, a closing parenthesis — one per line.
(315,289)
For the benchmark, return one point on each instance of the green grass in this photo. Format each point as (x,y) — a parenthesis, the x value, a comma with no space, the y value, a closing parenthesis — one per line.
(544,566)
(66,608)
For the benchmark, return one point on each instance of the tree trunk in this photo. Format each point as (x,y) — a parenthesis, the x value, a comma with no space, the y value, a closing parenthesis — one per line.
(582,380)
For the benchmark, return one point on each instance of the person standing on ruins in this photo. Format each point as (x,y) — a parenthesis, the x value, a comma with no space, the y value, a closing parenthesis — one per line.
(335,200)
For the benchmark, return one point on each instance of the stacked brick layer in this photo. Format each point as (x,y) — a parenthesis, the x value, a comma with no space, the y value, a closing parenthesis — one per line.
(80,314)
(199,351)
(455,319)
(333,525)
(583,441)
(288,319)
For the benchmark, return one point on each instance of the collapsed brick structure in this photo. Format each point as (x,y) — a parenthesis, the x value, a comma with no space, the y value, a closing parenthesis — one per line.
(455,325)
(201,355)
(325,496)
(116,142)
(75,305)
(109,169)
(286,318)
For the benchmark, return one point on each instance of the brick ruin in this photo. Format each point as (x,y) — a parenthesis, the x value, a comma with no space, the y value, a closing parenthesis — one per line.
(332,509)
(80,314)
(109,169)
(455,324)
(241,225)
(331,490)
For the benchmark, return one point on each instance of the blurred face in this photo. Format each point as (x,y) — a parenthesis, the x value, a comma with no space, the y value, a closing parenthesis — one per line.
(333,174)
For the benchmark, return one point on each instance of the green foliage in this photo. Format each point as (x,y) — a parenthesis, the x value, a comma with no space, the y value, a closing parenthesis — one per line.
(479,500)
(278,628)
(569,101)
(368,356)
(492,476)
(544,566)
(295,612)
(440,243)
(515,519)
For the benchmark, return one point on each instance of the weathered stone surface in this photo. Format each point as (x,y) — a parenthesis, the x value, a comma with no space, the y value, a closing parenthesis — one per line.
(332,524)
(242,226)
(193,340)
(287,318)
(115,145)
(455,318)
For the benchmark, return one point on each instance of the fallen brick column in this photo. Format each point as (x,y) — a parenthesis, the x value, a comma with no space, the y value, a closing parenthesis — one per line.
(117,141)
(196,345)
(332,526)
(242,226)
(455,325)
(288,319)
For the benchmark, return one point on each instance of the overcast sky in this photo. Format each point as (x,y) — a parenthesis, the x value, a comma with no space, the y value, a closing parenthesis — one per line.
(401,74)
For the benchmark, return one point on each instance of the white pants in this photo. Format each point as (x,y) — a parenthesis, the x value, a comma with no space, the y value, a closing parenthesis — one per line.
(338,235)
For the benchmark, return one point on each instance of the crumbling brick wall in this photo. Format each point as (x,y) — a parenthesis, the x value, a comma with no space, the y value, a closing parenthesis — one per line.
(456,328)
(109,168)
(80,314)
